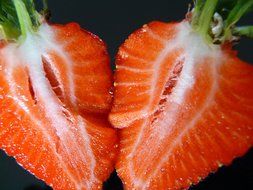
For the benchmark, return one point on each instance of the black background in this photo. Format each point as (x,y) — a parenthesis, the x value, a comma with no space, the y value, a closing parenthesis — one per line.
(113,21)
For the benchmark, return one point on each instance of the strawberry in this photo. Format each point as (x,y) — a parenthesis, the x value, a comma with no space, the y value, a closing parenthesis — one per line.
(183,99)
(55,83)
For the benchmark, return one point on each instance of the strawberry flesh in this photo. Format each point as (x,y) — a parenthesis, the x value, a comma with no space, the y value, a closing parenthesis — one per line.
(184,108)
(49,83)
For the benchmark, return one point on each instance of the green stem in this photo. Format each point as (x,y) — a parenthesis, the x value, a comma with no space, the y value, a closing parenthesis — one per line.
(220,28)
(240,9)
(198,5)
(206,18)
(2,33)
(45,12)
(45,5)
(246,31)
(24,18)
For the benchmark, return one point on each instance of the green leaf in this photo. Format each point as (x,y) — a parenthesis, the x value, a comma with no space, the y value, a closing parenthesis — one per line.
(9,20)
(16,16)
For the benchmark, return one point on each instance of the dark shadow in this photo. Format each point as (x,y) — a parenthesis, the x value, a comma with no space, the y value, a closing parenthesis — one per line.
(113,183)
(37,187)
(237,176)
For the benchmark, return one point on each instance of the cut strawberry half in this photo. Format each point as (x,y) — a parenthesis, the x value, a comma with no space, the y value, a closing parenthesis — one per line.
(55,83)
(184,105)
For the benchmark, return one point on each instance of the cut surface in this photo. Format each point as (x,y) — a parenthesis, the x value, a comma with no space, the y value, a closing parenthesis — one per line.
(47,86)
(184,108)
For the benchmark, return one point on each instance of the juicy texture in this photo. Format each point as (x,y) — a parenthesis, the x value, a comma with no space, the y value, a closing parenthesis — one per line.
(54,101)
(184,108)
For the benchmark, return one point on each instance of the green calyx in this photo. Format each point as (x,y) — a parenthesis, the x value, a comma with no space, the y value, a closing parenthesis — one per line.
(17,18)
(215,20)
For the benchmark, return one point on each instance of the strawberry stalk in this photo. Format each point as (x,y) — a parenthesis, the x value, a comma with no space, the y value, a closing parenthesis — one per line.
(205,18)
(17,18)
(25,22)
(215,20)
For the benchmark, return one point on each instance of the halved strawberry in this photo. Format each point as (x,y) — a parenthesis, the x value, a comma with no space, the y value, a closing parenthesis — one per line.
(184,105)
(55,83)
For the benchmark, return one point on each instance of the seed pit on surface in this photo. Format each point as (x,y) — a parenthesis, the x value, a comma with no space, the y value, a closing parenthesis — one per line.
(50,75)
(67,115)
(31,90)
(170,85)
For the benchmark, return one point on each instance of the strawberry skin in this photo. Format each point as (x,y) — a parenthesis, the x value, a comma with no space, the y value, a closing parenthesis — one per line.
(184,108)
(54,101)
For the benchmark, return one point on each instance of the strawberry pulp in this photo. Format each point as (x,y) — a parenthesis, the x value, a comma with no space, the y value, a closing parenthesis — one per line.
(55,83)
(182,100)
